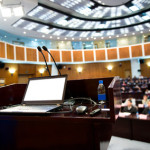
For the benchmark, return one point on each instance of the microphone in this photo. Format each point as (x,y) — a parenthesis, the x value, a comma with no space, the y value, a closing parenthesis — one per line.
(40,50)
(45,48)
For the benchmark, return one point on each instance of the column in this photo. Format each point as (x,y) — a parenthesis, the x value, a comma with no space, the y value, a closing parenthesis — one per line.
(54,70)
(135,68)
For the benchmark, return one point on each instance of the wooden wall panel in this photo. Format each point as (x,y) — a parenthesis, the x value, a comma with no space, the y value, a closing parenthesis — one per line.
(20,53)
(124,52)
(26,68)
(66,56)
(89,55)
(136,51)
(56,55)
(2,50)
(31,54)
(147,49)
(10,51)
(77,56)
(145,69)
(41,59)
(112,53)
(100,55)
(97,70)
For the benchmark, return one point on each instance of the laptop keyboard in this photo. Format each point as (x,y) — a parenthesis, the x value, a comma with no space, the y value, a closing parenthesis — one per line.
(33,108)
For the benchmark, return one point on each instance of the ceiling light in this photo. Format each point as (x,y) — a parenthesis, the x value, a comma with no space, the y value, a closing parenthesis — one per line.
(101,37)
(133,8)
(50,37)
(18,11)
(94,38)
(133,33)
(80,39)
(141,31)
(125,34)
(24,32)
(65,38)
(5,19)
(43,35)
(6,12)
(87,38)
(35,39)
(72,38)
(58,38)
(117,36)
(109,36)
(5,36)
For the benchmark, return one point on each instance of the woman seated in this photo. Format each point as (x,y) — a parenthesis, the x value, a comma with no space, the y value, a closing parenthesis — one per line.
(147,109)
(145,100)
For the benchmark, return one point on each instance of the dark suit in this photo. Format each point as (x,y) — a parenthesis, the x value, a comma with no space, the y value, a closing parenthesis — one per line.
(133,110)
(146,110)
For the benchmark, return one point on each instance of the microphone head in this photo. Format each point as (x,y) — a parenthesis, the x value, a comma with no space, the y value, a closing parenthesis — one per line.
(39,48)
(45,48)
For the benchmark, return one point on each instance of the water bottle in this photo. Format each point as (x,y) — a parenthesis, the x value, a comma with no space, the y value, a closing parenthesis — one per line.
(137,114)
(101,92)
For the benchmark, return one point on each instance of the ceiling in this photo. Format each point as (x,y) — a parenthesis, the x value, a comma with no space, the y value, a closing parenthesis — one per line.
(80,19)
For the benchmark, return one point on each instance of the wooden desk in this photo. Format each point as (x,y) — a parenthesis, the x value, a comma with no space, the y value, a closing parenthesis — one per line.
(64,131)
(133,128)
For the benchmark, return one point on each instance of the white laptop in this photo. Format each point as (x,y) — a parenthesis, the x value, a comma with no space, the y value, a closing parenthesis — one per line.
(42,95)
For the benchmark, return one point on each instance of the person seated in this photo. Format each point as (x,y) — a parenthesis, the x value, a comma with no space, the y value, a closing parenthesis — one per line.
(132,100)
(147,109)
(124,84)
(144,86)
(123,89)
(130,108)
(130,90)
(145,100)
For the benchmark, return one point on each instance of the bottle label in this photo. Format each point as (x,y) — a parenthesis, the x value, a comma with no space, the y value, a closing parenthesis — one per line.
(102,97)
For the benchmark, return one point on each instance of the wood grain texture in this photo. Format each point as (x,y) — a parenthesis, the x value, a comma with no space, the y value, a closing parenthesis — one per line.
(66,56)
(136,51)
(26,69)
(31,54)
(147,49)
(124,52)
(20,53)
(41,59)
(10,51)
(2,50)
(112,53)
(77,56)
(56,55)
(100,55)
(89,55)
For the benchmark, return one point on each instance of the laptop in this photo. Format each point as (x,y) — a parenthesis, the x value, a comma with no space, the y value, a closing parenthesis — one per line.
(42,94)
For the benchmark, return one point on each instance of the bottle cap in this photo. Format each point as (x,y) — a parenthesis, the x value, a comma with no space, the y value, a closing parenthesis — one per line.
(100,81)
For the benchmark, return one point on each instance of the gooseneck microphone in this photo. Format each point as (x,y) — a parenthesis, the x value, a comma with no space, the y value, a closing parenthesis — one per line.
(40,50)
(45,48)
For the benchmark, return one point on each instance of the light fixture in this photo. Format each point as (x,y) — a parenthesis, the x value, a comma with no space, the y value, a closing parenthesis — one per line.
(43,36)
(79,69)
(109,67)
(11,9)
(41,71)
(12,71)
(58,38)
(24,32)
(148,64)
(133,33)
(141,31)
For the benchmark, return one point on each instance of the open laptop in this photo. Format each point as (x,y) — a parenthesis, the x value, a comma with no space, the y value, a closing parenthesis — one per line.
(42,95)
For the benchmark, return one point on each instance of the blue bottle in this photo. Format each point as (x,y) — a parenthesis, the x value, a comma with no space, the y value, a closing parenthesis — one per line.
(101,92)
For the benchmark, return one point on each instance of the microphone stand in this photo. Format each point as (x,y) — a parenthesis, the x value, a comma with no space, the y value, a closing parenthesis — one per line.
(45,48)
(40,50)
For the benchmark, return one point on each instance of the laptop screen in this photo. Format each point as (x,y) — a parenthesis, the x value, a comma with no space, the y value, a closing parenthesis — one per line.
(45,90)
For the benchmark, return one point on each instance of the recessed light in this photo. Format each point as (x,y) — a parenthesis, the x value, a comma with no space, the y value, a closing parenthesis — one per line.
(72,38)
(149,30)
(43,35)
(35,39)
(101,37)
(87,38)
(58,37)
(125,34)
(80,39)
(24,32)
(141,31)
(109,36)
(65,38)
(133,33)
(117,36)
(94,38)
(5,36)
(50,37)
(5,19)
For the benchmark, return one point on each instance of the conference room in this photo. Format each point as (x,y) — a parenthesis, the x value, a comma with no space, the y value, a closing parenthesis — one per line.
(74,74)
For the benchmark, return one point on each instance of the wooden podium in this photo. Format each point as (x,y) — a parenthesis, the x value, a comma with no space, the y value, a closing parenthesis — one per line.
(62,131)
